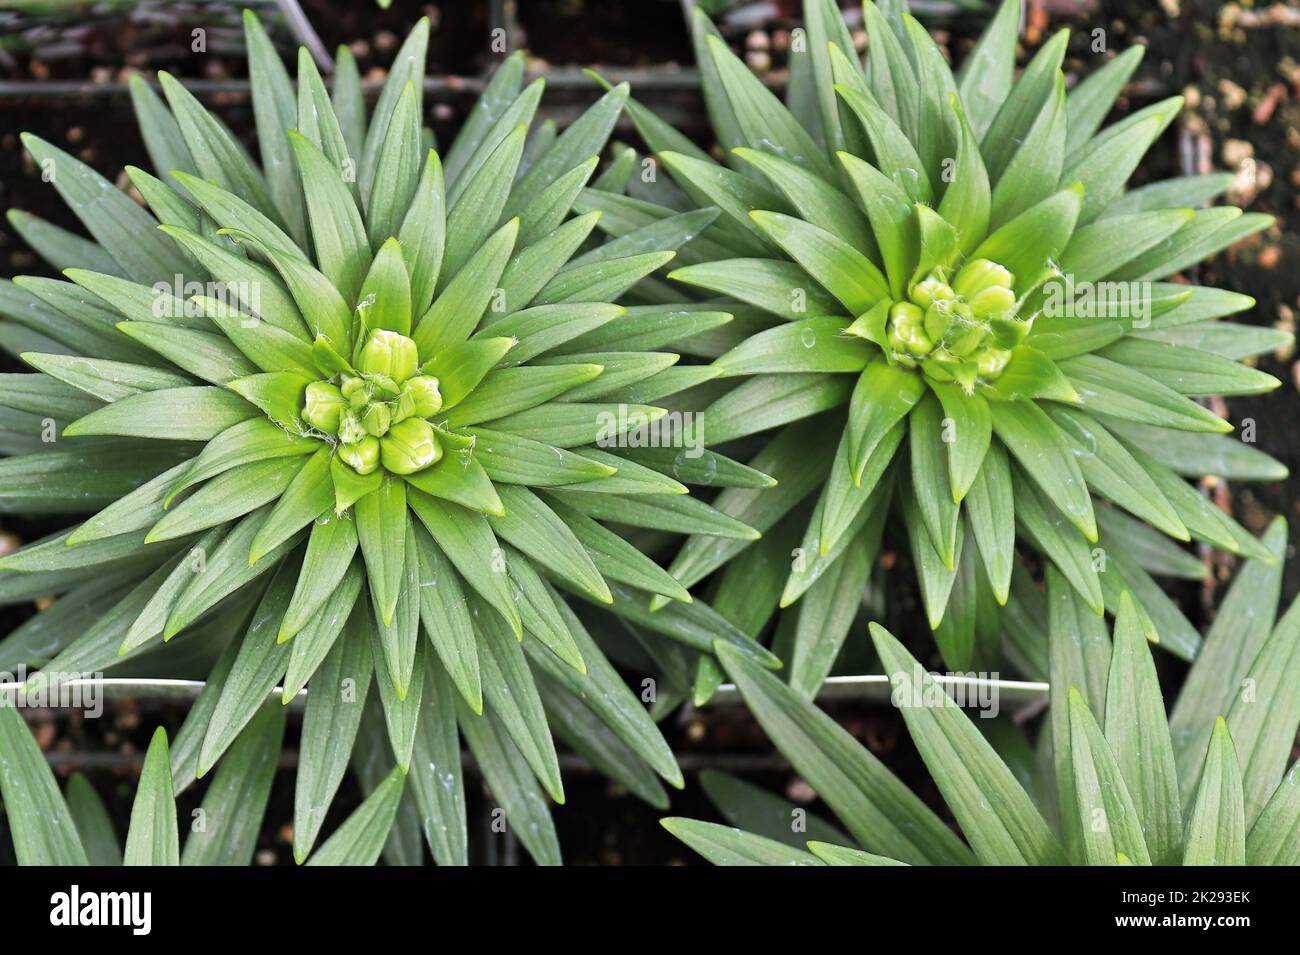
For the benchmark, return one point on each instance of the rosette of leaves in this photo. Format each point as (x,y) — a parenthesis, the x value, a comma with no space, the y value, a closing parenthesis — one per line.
(334,420)
(930,267)
(1115,781)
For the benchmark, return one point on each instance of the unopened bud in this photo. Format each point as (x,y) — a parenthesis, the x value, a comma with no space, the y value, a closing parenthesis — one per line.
(376,418)
(362,456)
(936,321)
(994,300)
(992,362)
(906,315)
(356,392)
(979,274)
(931,289)
(410,446)
(351,430)
(389,354)
(426,398)
(323,405)
(906,332)
(967,340)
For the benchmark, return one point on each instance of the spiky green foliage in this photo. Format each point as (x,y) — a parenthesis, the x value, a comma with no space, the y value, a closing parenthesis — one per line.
(49,827)
(364,451)
(1117,782)
(946,280)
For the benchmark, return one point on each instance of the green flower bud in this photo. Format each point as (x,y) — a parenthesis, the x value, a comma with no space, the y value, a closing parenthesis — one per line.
(937,320)
(410,446)
(931,289)
(896,341)
(384,387)
(979,274)
(906,315)
(323,406)
(994,300)
(992,361)
(905,332)
(918,342)
(351,430)
(966,340)
(389,354)
(362,456)
(376,418)
(425,395)
(403,407)
(357,392)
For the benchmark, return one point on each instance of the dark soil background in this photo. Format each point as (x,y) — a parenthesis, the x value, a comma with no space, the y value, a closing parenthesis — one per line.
(1238,64)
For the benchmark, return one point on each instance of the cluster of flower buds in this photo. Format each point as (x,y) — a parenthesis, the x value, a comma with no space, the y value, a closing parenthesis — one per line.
(380,414)
(963,331)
